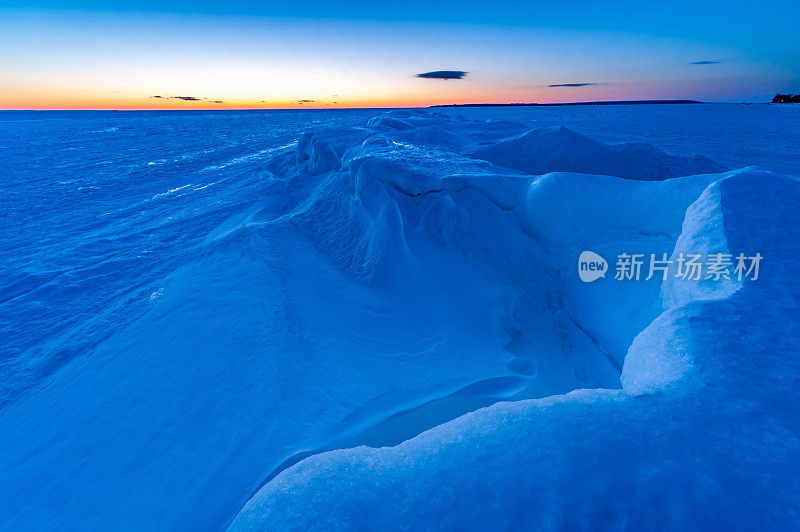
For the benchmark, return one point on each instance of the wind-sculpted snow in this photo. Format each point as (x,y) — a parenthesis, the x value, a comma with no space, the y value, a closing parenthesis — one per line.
(324,360)
(599,458)
(559,149)
(714,450)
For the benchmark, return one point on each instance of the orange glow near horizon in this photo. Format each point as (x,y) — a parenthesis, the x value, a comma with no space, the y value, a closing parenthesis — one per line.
(55,103)
(429,94)
(42,99)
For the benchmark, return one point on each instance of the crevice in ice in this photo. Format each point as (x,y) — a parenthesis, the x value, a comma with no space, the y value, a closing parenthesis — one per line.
(599,345)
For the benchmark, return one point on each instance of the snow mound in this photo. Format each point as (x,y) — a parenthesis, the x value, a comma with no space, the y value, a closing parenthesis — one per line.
(645,456)
(603,458)
(558,149)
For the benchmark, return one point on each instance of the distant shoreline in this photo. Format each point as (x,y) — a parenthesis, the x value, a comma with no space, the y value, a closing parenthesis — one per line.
(238,110)
(611,102)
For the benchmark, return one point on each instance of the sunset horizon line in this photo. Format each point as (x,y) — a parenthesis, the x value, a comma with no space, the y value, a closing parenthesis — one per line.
(312,107)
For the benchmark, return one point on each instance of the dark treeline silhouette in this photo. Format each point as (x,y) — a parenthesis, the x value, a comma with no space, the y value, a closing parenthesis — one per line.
(786,98)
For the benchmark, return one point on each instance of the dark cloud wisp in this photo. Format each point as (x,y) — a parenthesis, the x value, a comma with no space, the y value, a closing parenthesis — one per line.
(186,98)
(571,84)
(443,74)
(705,63)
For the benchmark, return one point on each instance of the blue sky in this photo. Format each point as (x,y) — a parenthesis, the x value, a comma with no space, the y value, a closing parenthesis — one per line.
(91,54)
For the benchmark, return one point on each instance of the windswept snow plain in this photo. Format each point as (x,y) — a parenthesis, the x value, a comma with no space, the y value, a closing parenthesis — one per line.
(374,321)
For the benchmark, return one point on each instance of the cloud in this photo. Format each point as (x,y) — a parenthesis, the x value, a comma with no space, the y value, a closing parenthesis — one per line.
(705,63)
(301,102)
(443,74)
(571,84)
(186,98)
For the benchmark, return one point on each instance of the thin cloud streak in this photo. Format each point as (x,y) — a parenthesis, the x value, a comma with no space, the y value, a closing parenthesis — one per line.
(186,98)
(443,74)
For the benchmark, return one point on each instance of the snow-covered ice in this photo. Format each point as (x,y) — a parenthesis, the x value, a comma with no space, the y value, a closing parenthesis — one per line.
(375,321)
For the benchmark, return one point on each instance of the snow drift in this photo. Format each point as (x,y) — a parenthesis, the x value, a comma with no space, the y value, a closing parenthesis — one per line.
(560,149)
(325,361)
(590,458)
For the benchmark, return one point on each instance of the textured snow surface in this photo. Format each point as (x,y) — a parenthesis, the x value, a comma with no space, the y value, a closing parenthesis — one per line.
(376,322)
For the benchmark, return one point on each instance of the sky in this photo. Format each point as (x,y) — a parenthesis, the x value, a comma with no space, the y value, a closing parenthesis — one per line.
(204,54)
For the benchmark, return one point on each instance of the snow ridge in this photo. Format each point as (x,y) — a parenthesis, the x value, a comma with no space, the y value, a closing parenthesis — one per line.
(596,457)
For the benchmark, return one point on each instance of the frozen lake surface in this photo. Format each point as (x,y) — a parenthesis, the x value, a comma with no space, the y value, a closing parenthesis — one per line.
(366,318)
